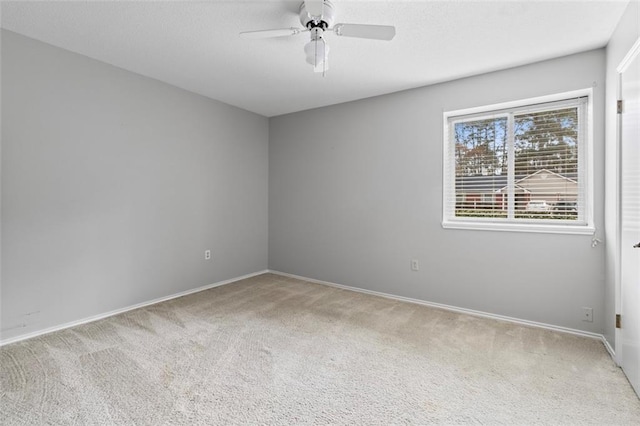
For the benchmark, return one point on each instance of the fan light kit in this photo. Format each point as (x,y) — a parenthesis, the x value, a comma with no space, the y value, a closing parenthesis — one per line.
(317,18)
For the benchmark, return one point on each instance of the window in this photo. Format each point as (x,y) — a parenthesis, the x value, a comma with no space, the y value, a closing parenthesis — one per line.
(520,166)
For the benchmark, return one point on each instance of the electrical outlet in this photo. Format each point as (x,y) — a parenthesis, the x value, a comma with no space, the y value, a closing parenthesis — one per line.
(587,314)
(415,265)
(207,255)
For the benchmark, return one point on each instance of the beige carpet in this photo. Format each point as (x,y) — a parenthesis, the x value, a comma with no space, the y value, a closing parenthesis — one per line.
(273,350)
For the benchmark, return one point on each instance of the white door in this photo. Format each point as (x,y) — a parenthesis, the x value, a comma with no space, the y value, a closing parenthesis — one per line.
(630,217)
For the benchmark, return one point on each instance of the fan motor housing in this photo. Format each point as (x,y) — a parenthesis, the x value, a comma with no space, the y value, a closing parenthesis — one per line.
(325,21)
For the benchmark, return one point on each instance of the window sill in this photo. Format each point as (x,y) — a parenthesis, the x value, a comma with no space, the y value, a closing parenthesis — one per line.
(521,227)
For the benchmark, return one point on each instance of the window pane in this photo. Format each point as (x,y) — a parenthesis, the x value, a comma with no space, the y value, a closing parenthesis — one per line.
(519,166)
(481,167)
(546,164)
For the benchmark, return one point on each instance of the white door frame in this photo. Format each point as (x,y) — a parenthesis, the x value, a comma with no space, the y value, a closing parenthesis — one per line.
(622,67)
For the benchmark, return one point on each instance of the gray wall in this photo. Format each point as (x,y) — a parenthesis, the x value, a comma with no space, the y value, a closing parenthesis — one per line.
(355,192)
(621,41)
(113,185)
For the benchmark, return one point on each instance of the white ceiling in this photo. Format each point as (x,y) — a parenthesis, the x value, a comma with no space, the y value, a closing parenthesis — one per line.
(195,45)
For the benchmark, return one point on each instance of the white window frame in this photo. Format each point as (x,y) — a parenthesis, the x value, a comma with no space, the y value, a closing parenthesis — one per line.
(585,170)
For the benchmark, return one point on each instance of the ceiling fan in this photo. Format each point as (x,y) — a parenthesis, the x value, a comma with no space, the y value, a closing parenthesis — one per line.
(317,18)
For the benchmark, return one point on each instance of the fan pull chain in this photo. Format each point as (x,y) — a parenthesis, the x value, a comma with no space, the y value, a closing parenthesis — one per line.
(324,60)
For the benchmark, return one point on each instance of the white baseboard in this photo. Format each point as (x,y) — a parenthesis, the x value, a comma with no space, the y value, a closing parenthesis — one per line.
(327,283)
(455,309)
(126,309)
(609,349)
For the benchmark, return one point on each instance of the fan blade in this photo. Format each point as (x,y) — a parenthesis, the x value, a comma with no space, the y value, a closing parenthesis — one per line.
(376,32)
(314,7)
(281,32)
